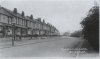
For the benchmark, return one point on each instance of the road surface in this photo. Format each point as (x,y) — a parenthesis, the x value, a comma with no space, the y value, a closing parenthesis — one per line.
(48,47)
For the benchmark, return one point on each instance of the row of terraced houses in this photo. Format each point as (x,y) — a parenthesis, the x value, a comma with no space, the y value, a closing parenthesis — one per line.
(24,25)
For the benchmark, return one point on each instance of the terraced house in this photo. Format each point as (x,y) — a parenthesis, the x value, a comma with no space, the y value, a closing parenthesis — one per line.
(24,25)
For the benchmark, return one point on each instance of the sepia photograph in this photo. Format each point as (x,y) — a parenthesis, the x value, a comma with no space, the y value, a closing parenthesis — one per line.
(49,28)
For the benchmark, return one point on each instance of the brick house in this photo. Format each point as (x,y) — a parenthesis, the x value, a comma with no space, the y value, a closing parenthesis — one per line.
(24,25)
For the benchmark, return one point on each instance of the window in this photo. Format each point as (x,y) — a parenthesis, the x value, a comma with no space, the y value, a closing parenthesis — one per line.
(0,17)
(18,21)
(31,24)
(4,19)
(14,20)
(28,23)
(25,22)
(9,20)
(1,28)
(22,21)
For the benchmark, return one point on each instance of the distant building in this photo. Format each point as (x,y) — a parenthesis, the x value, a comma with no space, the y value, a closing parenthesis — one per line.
(24,25)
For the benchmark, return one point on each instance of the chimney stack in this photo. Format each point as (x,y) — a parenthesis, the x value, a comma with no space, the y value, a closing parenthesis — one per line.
(15,10)
(31,16)
(43,21)
(23,14)
(39,19)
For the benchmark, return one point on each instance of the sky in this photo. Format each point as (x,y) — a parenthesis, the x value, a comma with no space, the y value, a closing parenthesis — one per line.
(65,15)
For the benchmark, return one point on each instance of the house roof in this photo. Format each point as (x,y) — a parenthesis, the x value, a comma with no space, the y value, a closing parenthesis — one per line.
(13,14)
(2,11)
(40,21)
(10,13)
(28,18)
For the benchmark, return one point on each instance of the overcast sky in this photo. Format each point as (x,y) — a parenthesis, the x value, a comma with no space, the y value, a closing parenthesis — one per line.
(65,15)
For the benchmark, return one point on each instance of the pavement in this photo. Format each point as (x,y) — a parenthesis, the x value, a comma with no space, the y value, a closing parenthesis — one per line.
(7,42)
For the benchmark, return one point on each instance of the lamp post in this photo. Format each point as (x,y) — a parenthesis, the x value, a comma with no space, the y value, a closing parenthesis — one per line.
(13,36)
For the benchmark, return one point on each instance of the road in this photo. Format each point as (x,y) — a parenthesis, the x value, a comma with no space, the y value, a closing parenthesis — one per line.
(49,47)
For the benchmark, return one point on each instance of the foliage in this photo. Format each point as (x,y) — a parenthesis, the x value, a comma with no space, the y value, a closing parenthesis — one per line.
(90,26)
(66,33)
(76,34)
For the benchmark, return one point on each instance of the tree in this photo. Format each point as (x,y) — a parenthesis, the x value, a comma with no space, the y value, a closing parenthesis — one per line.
(90,26)
(66,34)
(77,33)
